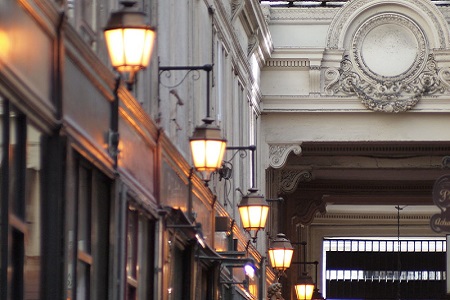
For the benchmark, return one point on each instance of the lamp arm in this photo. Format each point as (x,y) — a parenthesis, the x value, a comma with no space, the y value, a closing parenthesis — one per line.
(207,68)
(243,149)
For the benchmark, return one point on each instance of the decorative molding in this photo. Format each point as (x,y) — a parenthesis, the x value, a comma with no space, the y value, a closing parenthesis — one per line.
(402,86)
(287,63)
(394,26)
(253,43)
(437,148)
(236,8)
(306,210)
(374,216)
(278,153)
(288,180)
(266,12)
(387,95)
(353,9)
(302,14)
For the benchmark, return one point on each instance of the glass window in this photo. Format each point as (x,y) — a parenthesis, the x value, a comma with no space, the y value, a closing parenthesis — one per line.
(140,255)
(93,211)
(178,273)
(88,17)
(20,205)
(377,269)
(132,253)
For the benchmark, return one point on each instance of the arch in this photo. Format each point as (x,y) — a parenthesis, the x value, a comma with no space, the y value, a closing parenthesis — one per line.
(423,12)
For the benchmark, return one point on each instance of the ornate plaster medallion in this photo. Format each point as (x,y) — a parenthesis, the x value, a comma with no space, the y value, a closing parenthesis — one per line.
(389,47)
(389,67)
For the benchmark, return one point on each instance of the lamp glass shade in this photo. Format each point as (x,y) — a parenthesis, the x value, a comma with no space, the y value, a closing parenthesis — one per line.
(304,288)
(129,49)
(207,148)
(253,209)
(129,40)
(280,253)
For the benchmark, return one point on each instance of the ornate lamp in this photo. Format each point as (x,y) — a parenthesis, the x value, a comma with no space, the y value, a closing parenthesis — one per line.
(253,209)
(304,287)
(129,40)
(207,148)
(280,253)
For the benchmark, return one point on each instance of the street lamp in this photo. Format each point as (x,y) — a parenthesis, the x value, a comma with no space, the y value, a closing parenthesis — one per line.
(304,287)
(207,144)
(207,148)
(280,253)
(253,209)
(129,41)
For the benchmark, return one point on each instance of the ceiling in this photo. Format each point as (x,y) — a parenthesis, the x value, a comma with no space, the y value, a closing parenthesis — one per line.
(371,177)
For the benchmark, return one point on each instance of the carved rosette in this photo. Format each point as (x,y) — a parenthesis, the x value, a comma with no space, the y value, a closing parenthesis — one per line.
(278,153)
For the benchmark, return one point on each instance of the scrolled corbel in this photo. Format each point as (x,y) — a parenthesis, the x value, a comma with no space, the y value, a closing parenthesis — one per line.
(278,153)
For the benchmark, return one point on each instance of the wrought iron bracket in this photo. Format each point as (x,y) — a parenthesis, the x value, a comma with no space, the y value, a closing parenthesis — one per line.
(189,69)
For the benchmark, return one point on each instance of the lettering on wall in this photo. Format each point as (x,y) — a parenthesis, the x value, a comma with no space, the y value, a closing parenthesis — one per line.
(441,197)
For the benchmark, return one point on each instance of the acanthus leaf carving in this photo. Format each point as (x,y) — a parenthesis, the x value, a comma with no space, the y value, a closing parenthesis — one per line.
(278,153)
(305,211)
(289,179)
(390,96)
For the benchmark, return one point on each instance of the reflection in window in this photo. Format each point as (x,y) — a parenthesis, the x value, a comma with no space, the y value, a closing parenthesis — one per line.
(92,232)
(139,254)
(32,215)
(20,205)
(132,253)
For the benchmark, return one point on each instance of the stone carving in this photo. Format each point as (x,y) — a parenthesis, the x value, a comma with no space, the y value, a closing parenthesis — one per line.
(289,179)
(287,63)
(352,8)
(388,95)
(236,7)
(389,47)
(389,67)
(324,14)
(253,43)
(307,209)
(278,153)
(446,162)
(274,291)
(266,12)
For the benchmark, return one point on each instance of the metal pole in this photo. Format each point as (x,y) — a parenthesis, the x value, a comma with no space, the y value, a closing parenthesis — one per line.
(251,148)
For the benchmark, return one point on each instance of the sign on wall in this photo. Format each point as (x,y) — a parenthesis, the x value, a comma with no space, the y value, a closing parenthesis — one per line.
(441,197)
